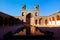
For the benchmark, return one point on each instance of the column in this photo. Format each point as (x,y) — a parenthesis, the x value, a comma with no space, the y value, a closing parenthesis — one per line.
(55,20)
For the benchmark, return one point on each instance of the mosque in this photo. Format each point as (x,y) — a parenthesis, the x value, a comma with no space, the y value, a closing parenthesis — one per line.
(30,20)
(31,17)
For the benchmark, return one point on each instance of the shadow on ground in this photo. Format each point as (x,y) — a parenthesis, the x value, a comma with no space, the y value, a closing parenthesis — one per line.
(47,35)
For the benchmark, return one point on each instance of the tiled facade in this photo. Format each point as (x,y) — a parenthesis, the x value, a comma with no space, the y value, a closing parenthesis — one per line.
(31,17)
(36,19)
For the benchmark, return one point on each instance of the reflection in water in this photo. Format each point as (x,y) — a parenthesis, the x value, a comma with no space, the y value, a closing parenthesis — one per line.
(34,32)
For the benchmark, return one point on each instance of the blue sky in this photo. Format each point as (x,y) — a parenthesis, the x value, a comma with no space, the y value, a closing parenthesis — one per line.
(13,7)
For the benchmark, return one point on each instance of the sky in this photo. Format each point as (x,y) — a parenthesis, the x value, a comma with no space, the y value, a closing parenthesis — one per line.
(13,7)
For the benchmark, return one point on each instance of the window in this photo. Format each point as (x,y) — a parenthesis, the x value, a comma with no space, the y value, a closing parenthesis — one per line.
(36,14)
(46,21)
(53,19)
(22,13)
(36,22)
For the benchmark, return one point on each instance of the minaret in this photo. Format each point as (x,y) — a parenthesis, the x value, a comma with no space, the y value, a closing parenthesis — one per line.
(23,7)
(36,7)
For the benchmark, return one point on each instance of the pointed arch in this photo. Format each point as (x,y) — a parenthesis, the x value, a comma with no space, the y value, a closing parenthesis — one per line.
(58,17)
(28,16)
(53,18)
(46,22)
(1,21)
(40,20)
(35,13)
(36,21)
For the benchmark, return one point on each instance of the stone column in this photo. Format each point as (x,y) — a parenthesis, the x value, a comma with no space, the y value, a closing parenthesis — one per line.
(37,22)
(48,21)
(55,19)
(51,21)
